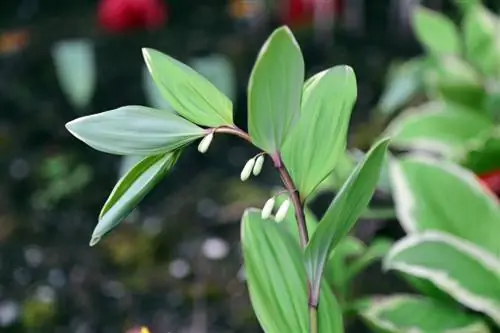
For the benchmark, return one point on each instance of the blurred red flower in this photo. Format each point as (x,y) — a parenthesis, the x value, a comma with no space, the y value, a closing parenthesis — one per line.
(491,180)
(300,12)
(124,15)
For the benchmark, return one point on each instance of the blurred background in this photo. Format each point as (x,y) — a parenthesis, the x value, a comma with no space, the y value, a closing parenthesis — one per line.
(175,264)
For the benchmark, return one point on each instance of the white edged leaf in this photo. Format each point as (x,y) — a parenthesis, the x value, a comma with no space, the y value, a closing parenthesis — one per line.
(410,313)
(433,194)
(436,126)
(404,82)
(436,32)
(468,273)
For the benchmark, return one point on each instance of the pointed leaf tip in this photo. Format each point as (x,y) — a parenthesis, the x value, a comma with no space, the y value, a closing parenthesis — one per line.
(131,189)
(191,94)
(274,90)
(311,151)
(94,241)
(350,202)
(134,130)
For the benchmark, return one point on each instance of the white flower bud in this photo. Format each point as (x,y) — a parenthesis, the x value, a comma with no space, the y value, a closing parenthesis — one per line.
(282,211)
(205,143)
(268,208)
(258,165)
(247,169)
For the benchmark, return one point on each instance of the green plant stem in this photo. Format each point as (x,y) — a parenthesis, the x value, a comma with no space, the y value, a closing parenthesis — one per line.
(287,182)
(299,214)
(234,131)
(313,319)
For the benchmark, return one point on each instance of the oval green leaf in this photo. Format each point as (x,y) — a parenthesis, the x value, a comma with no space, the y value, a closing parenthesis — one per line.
(134,130)
(189,93)
(277,280)
(435,195)
(409,313)
(482,43)
(404,82)
(436,32)
(482,154)
(130,190)
(336,273)
(275,90)
(275,273)
(437,127)
(458,82)
(318,141)
(349,204)
(465,271)
(75,65)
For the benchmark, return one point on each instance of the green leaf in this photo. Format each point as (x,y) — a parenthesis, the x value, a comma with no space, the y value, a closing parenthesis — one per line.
(436,126)
(466,272)
(336,269)
(274,90)
(346,163)
(404,82)
(409,313)
(318,140)
(134,130)
(153,94)
(275,273)
(329,312)
(277,280)
(344,211)
(466,5)
(219,71)
(436,195)
(345,166)
(457,82)
(427,288)
(492,101)
(189,93)
(436,32)
(482,43)
(130,190)
(482,154)
(377,250)
(75,66)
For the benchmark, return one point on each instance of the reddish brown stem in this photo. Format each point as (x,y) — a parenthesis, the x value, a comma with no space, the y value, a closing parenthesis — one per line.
(297,204)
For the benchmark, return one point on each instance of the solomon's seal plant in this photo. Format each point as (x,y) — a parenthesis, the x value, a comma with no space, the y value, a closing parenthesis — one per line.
(300,127)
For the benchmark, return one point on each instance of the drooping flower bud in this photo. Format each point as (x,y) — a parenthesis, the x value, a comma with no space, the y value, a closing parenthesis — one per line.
(268,208)
(281,213)
(258,165)
(205,143)
(247,169)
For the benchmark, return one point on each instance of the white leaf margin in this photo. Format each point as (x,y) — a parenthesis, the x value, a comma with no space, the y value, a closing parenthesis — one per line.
(385,303)
(404,198)
(413,114)
(441,279)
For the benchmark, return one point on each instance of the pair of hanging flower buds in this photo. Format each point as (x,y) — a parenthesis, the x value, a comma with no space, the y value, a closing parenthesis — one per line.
(253,165)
